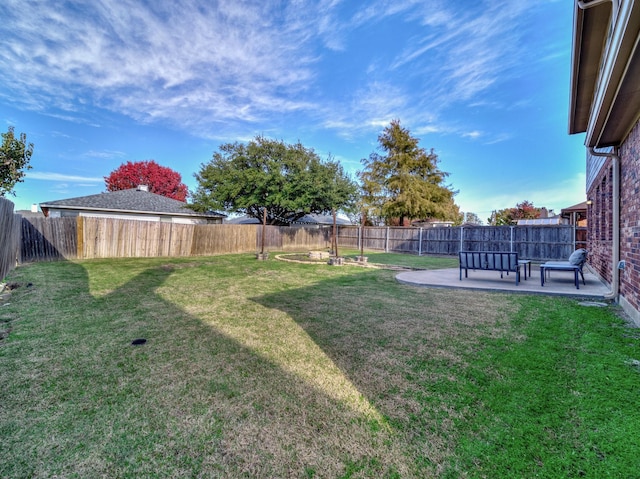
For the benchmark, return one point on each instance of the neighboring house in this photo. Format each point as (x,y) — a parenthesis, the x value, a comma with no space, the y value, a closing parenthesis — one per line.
(432,224)
(576,214)
(29,213)
(320,220)
(306,220)
(132,204)
(242,220)
(553,220)
(605,104)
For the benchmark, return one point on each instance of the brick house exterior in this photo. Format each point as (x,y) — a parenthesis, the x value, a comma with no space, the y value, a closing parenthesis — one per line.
(630,218)
(600,221)
(605,104)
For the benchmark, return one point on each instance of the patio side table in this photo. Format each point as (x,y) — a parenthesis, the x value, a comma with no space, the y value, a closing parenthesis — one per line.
(526,263)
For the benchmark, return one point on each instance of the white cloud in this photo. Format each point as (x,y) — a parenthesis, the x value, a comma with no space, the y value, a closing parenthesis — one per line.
(460,55)
(468,50)
(472,134)
(222,69)
(429,129)
(48,176)
(180,61)
(371,109)
(105,154)
(498,138)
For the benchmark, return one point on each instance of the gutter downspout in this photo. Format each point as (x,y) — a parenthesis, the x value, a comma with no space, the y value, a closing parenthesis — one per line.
(584,5)
(615,247)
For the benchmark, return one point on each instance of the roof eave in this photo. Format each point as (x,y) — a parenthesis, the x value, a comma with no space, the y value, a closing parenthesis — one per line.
(114,210)
(575,208)
(590,28)
(605,73)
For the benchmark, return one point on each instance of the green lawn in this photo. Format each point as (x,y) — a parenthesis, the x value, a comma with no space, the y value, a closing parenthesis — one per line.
(276,369)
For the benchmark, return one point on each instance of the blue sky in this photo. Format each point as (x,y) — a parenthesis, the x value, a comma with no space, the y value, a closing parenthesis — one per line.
(484,83)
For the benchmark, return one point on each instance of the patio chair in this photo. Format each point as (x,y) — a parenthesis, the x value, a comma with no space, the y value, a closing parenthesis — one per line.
(575,263)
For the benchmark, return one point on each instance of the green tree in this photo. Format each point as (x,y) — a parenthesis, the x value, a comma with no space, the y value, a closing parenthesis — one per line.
(471,218)
(404,181)
(509,216)
(288,180)
(15,155)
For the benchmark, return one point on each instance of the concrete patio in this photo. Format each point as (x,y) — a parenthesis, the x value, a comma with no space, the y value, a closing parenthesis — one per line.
(558,283)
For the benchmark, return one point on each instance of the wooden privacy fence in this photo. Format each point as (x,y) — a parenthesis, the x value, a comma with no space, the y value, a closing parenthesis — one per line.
(295,238)
(538,243)
(9,237)
(46,239)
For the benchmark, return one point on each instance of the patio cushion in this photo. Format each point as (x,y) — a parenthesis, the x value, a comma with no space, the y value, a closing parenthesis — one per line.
(578,257)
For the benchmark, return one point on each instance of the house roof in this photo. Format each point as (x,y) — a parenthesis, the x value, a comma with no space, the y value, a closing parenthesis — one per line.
(554,220)
(575,208)
(605,71)
(28,214)
(243,220)
(128,201)
(310,219)
(315,219)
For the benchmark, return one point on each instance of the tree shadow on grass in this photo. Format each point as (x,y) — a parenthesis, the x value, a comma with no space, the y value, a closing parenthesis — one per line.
(400,348)
(196,400)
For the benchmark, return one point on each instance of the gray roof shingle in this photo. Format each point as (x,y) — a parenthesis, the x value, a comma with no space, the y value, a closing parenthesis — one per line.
(130,201)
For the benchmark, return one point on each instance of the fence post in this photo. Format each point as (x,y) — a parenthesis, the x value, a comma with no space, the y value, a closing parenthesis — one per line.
(80,237)
(386,241)
(169,246)
(511,239)
(420,243)
(462,238)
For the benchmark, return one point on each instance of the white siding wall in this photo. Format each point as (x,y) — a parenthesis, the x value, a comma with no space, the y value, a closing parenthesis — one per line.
(57,213)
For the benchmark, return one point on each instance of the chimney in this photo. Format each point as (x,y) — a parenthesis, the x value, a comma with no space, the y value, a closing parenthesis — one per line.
(34,208)
(143,188)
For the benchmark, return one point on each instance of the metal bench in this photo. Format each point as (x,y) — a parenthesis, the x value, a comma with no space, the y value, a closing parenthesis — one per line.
(505,262)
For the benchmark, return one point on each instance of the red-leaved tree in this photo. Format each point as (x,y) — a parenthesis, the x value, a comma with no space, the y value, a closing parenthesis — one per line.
(160,179)
(508,216)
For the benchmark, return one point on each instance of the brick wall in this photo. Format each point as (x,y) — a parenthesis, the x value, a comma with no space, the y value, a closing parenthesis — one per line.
(600,216)
(600,220)
(630,217)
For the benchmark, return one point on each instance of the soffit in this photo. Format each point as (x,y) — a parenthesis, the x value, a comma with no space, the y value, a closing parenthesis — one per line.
(590,28)
(625,107)
(616,101)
